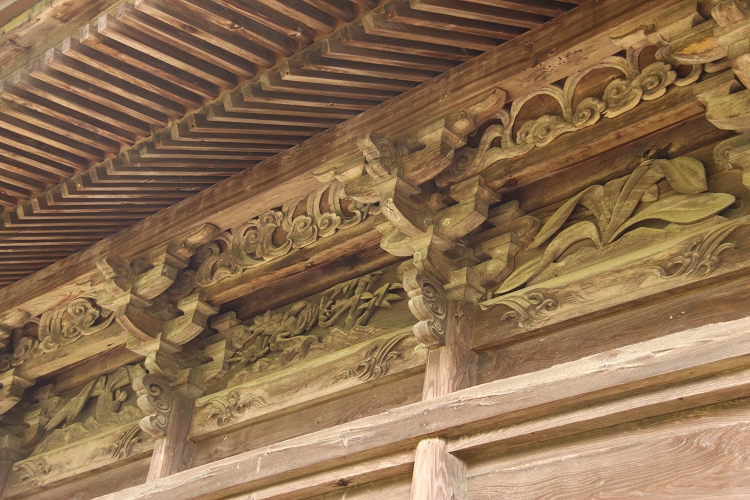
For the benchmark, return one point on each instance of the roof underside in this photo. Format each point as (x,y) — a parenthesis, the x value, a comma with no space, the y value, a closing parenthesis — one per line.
(158,99)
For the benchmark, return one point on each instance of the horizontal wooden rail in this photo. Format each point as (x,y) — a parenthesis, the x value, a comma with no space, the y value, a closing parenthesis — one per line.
(579,391)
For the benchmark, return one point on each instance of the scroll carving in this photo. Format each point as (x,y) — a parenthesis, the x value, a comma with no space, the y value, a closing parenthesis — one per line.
(534,308)
(124,444)
(375,363)
(229,408)
(429,304)
(35,471)
(620,96)
(701,254)
(62,326)
(155,399)
(327,211)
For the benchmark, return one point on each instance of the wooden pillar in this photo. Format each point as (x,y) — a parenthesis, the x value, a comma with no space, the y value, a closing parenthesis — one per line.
(438,475)
(9,454)
(168,419)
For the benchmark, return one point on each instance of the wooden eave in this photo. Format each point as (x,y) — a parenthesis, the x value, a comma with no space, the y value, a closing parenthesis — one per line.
(542,56)
(154,100)
(531,263)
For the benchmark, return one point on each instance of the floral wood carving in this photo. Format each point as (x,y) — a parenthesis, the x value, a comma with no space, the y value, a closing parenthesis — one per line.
(620,96)
(376,362)
(229,408)
(534,308)
(619,205)
(327,211)
(351,304)
(156,400)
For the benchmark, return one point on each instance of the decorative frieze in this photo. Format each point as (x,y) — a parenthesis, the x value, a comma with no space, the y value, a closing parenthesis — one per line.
(276,338)
(297,224)
(347,363)
(655,229)
(618,206)
(505,138)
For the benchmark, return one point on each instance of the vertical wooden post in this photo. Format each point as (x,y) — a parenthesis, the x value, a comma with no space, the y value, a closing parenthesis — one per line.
(174,451)
(169,415)
(9,454)
(438,475)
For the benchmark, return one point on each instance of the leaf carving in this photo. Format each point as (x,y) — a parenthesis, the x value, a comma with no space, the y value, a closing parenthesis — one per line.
(584,230)
(685,174)
(521,275)
(640,181)
(590,197)
(682,209)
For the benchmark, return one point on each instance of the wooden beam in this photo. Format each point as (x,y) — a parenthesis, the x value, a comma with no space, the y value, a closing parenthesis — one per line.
(701,365)
(577,42)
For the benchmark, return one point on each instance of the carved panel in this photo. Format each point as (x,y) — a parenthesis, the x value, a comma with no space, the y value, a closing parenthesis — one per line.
(349,362)
(297,224)
(334,319)
(655,229)
(617,207)
(505,138)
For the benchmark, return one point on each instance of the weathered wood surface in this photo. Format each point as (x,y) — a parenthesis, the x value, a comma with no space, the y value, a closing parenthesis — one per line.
(395,354)
(649,365)
(610,284)
(656,317)
(78,460)
(695,454)
(87,487)
(396,488)
(348,408)
(145,69)
(360,481)
(228,205)
(437,474)
(173,452)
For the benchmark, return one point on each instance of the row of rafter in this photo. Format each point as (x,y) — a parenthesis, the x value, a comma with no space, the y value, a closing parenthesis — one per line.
(163,98)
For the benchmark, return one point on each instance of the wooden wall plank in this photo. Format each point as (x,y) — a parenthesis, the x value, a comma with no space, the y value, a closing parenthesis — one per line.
(645,366)
(697,454)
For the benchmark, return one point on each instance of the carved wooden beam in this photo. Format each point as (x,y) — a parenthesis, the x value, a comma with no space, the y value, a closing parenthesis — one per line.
(720,42)
(291,173)
(9,454)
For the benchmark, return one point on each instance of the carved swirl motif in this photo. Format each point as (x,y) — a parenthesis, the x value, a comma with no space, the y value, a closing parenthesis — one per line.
(701,256)
(35,470)
(253,243)
(375,364)
(63,326)
(430,305)
(123,446)
(230,407)
(620,96)
(533,308)
(155,399)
